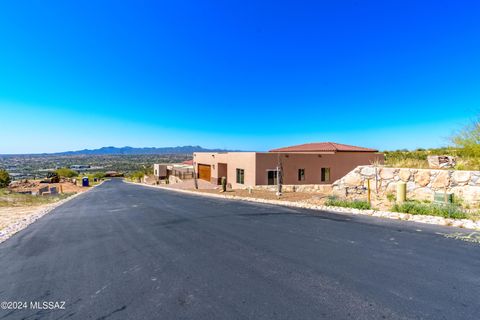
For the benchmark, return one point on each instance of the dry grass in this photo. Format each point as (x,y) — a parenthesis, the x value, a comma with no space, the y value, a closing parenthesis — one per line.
(408,163)
(12,199)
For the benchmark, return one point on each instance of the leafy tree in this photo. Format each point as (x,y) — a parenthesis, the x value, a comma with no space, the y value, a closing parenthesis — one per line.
(137,175)
(468,139)
(66,173)
(4,178)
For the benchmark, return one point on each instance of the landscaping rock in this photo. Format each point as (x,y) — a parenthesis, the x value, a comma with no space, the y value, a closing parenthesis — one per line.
(441,162)
(352,179)
(368,171)
(422,178)
(404,174)
(391,187)
(461,177)
(387,173)
(469,194)
(442,180)
(411,186)
(423,194)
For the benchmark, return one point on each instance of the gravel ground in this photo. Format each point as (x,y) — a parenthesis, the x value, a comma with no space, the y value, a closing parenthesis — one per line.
(14,219)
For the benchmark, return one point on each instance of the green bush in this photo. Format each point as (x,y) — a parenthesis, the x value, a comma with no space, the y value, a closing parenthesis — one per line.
(4,178)
(356,204)
(137,175)
(66,173)
(431,209)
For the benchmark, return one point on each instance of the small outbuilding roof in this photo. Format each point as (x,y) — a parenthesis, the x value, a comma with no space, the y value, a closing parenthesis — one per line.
(323,147)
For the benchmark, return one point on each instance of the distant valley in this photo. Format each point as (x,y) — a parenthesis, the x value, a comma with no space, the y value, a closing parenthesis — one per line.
(131,151)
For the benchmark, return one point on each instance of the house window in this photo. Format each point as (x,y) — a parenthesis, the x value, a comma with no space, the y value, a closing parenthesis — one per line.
(272,177)
(301,174)
(325,175)
(241,176)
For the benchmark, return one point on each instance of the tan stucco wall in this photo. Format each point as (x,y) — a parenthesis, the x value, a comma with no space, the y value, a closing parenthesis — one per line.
(160,170)
(212,159)
(234,160)
(241,160)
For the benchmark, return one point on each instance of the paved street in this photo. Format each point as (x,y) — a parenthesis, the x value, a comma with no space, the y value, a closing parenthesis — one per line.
(123,251)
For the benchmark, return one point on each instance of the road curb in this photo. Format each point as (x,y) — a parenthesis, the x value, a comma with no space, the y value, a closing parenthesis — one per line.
(460,223)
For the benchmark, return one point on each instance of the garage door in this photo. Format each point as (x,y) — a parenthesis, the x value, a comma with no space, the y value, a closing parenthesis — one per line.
(204,172)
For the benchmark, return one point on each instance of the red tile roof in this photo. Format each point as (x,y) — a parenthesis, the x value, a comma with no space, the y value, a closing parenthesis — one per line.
(189,162)
(323,147)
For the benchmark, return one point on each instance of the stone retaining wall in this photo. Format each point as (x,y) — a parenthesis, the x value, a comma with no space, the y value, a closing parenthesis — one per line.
(421,183)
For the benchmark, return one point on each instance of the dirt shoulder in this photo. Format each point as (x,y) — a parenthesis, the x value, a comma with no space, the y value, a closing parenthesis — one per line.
(17,211)
(269,195)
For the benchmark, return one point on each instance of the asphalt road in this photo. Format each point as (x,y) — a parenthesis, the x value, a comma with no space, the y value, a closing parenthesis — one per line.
(123,251)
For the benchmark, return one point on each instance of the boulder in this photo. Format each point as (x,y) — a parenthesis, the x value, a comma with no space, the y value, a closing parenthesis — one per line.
(422,178)
(461,177)
(423,194)
(404,174)
(441,162)
(411,186)
(391,188)
(442,180)
(469,194)
(352,179)
(368,171)
(387,173)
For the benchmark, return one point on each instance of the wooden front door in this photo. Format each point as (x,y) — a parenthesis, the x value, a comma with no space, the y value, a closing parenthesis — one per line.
(204,172)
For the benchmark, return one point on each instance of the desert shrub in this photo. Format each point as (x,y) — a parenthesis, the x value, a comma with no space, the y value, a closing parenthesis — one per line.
(66,173)
(99,175)
(468,139)
(54,177)
(390,197)
(431,209)
(4,178)
(345,203)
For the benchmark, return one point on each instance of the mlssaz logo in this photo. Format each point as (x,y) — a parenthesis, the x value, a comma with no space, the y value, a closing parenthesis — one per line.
(47,305)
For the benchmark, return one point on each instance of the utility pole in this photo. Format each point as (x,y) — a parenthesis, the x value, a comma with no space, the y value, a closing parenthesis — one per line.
(279,176)
(195,176)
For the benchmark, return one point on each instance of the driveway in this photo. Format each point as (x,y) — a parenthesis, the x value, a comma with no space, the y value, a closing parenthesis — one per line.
(124,251)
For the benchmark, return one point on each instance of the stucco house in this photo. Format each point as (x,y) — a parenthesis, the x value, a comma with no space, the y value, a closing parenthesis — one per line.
(311,163)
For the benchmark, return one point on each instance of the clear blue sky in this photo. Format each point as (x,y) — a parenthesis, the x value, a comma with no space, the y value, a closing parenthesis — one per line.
(243,74)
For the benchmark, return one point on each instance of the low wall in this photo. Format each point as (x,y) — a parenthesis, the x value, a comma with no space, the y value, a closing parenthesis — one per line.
(421,183)
(174,179)
(314,188)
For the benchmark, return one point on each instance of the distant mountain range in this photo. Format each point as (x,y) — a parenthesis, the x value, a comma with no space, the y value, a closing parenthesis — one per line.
(132,151)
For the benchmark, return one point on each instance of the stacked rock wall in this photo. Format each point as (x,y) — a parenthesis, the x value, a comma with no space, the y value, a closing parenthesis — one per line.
(421,183)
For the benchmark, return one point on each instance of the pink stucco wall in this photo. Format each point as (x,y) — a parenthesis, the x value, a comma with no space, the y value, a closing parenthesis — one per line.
(339,163)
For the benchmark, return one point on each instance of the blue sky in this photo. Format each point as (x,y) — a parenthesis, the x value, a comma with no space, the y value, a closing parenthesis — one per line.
(244,74)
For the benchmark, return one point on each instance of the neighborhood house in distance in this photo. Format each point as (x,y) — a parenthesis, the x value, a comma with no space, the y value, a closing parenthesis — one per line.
(311,163)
